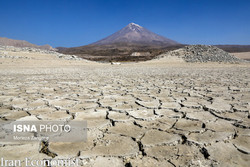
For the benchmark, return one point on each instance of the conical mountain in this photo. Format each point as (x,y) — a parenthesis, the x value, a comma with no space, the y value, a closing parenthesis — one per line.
(136,34)
(123,44)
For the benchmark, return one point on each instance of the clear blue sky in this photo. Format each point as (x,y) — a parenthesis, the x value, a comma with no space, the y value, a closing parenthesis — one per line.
(79,22)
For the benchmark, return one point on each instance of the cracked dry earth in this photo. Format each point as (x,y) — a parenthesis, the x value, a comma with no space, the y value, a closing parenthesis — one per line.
(141,114)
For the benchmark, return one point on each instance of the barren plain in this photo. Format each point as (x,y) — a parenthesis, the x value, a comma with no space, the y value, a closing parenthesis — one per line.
(162,112)
(243,55)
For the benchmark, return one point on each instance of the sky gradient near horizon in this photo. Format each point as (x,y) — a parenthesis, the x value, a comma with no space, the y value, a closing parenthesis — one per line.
(70,23)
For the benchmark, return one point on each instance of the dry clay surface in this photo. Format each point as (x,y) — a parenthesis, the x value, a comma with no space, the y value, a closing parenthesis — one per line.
(243,55)
(156,113)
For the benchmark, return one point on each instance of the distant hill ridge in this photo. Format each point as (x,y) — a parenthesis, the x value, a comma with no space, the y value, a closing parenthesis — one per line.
(234,48)
(21,43)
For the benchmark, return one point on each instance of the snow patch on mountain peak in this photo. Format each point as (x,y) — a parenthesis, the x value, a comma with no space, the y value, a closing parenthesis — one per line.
(134,27)
(133,24)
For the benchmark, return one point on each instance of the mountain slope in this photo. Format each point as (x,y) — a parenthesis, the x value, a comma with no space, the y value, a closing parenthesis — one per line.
(121,45)
(135,34)
(21,43)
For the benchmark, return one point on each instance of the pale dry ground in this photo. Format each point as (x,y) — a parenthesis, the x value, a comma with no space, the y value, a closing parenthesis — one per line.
(158,113)
(242,55)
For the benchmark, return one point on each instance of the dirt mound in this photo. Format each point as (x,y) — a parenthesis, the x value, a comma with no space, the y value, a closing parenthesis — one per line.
(204,53)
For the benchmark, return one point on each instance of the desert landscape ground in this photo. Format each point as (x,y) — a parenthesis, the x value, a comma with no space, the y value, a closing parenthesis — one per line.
(243,55)
(162,112)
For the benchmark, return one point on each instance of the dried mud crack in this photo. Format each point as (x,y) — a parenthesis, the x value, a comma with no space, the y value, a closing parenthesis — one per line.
(45,149)
(151,113)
